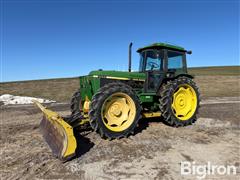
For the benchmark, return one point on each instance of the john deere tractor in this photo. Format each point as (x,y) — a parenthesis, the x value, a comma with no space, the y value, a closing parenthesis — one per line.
(113,102)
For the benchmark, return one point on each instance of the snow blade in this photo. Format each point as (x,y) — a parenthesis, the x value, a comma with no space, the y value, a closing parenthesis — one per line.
(57,133)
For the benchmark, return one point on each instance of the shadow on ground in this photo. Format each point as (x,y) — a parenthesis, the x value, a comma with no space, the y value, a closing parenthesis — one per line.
(84,144)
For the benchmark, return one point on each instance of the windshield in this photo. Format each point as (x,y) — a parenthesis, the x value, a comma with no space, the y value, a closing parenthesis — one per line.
(153,60)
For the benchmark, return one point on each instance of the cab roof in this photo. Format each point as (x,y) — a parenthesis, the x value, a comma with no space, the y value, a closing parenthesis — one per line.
(162,46)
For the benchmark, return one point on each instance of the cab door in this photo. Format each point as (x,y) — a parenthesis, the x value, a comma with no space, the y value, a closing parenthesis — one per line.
(154,67)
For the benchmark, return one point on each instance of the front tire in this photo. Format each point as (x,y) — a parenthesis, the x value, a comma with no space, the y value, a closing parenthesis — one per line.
(179,102)
(114,111)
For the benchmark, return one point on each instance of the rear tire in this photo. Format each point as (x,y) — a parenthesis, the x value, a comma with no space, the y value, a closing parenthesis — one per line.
(114,111)
(179,102)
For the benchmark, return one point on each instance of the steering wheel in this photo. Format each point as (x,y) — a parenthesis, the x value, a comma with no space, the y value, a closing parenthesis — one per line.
(153,65)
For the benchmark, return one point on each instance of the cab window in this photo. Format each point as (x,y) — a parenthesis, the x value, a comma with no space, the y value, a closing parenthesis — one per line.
(175,60)
(153,61)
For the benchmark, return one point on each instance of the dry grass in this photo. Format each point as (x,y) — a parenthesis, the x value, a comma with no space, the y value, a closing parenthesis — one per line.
(215,71)
(60,90)
(218,86)
(212,81)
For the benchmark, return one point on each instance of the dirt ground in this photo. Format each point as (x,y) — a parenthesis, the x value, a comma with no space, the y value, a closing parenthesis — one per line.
(154,152)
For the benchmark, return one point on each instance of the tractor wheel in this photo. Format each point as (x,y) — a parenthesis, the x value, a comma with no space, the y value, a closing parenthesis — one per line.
(75,103)
(114,111)
(179,102)
(76,112)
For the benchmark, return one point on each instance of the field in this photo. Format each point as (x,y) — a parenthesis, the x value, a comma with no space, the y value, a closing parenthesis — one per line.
(155,151)
(224,81)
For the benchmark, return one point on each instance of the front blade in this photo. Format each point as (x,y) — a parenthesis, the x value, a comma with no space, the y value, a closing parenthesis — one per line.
(57,133)
(59,138)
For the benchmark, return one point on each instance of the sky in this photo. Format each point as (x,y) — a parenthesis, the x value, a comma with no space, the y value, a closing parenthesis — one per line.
(43,39)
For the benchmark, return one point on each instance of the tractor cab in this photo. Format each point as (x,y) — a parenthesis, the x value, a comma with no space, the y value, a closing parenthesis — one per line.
(160,61)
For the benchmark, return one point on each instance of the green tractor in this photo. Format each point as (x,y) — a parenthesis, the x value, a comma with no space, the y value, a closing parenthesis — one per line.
(112,102)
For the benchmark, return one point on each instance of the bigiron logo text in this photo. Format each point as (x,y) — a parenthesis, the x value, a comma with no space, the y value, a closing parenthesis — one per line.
(202,170)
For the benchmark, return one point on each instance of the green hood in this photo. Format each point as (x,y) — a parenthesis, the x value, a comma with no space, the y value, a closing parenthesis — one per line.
(119,74)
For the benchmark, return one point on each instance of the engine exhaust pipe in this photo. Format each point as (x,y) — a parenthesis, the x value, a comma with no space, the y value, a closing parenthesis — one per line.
(130,57)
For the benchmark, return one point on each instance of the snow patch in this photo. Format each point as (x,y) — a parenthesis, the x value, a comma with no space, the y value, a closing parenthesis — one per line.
(11,99)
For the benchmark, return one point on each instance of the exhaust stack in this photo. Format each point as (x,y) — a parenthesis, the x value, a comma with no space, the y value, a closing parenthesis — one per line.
(130,57)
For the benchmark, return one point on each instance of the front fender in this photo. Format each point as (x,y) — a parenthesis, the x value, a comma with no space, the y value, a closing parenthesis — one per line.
(186,75)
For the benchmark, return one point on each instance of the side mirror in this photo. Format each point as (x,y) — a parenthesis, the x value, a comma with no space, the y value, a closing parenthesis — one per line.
(189,52)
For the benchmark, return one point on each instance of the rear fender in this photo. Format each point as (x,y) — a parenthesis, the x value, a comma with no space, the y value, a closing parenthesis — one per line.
(169,79)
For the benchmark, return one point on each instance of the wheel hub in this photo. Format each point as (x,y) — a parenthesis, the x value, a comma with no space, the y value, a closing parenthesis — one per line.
(180,100)
(184,102)
(118,112)
(115,110)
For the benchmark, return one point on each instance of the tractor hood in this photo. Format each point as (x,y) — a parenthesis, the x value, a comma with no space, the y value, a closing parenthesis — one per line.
(118,74)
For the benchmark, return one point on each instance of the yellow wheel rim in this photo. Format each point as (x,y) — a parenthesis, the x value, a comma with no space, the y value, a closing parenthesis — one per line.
(118,112)
(184,102)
